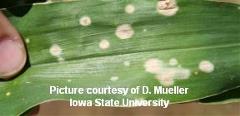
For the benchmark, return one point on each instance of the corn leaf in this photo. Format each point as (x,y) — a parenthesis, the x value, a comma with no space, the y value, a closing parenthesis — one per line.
(223,98)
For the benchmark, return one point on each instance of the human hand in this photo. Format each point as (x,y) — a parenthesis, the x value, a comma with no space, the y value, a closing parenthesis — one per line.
(12,51)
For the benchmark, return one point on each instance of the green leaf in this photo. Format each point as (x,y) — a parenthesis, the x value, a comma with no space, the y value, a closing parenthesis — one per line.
(64,53)
(223,98)
(228,1)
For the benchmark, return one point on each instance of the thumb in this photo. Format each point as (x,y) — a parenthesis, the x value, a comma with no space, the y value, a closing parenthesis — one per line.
(12,51)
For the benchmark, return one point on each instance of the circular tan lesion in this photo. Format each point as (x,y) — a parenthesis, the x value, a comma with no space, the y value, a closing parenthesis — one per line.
(166,74)
(166,78)
(124,31)
(85,21)
(104,44)
(55,50)
(130,9)
(206,66)
(153,66)
(167,7)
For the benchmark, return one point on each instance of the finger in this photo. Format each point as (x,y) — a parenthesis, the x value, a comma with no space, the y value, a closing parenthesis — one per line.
(12,50)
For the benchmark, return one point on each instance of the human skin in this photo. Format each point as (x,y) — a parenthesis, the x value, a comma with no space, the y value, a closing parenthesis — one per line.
(12,50)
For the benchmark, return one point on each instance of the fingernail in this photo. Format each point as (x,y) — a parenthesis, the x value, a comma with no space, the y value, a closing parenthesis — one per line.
(12,57)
